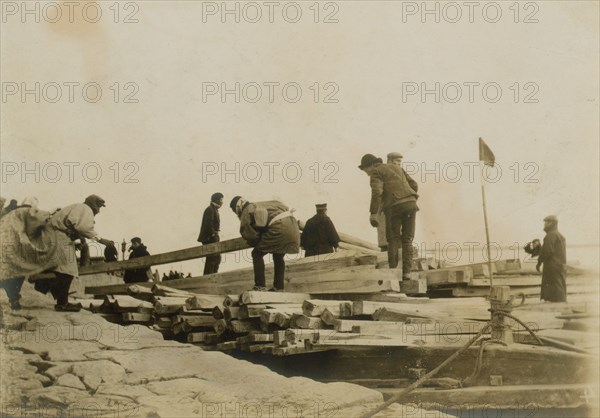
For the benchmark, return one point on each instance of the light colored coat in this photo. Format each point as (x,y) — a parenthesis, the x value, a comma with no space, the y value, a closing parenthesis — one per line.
(281,236)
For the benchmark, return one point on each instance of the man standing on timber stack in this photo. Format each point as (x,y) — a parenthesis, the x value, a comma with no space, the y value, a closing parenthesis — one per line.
(392,158)
(394,192)
(319,235)
(554,258)
(209,231)
(269,227)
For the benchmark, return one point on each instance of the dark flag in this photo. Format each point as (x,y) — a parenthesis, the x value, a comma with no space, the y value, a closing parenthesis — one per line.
(485,153)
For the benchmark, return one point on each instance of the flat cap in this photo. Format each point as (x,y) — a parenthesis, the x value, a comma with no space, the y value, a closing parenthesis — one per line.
(95,199)
(551,218)
(394,155)
(321,206)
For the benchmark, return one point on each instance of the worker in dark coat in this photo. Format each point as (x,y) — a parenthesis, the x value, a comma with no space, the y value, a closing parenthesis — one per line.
(137,275)
(394,192)
(554,259)
(319,235)
(269,227)
(209,231)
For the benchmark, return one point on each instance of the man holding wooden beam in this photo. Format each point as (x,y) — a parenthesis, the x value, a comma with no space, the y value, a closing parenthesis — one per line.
(269,227)
(394,192)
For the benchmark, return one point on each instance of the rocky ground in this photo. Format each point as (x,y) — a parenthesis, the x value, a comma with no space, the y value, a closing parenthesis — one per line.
(78,364)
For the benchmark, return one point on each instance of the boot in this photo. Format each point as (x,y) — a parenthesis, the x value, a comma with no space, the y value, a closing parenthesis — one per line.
(393,258)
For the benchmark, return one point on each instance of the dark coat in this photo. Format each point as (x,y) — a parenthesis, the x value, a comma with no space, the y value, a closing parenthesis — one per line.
(211,224)
(282,236)
(319,235)
(391,185)
(554,258)
(137,275)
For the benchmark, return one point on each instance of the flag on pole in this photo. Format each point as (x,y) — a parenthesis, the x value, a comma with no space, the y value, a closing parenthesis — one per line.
(485,153)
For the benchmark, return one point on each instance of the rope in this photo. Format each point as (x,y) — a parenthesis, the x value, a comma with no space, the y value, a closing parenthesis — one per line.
(416,384)
(514,318)
(467,381)
(426,377)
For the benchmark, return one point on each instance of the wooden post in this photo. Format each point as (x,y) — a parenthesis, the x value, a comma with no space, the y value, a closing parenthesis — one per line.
(500,300)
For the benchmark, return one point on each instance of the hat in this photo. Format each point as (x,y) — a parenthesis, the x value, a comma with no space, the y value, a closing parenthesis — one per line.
(551,218)
(368,160)
(216,197)
(321,206)
(96,200)
(234,201)
(136,239)
(30,201)
(394,155)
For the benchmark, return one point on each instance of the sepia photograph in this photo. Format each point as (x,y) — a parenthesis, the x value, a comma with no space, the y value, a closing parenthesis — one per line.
(307,208)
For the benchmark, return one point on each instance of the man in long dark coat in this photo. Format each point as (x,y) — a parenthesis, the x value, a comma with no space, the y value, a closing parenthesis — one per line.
(319,235)
(209,231)
(554,259)
(137,275)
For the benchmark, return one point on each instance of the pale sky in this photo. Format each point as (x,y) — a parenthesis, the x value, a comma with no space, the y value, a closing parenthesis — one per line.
(546,143)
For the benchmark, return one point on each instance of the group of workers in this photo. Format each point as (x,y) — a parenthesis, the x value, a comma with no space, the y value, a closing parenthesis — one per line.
(36,241)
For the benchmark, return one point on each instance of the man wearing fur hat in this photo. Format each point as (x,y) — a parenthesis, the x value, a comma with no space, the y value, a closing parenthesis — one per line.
(394,192)
(209,231)
(269,227)
(554,258)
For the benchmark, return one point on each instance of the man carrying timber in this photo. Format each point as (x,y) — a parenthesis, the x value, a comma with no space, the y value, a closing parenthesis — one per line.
(269,227)
(394,192)
(40,242)
(209,231)
(319,235)
(554,258)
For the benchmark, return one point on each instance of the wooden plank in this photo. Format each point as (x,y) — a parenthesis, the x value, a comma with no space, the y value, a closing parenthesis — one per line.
(196,321)
(414,286)
(296,336)
(231,300)
(204,301)
(316,307)
(239,327)
(163,290)
(251,297)
(137,317)
(250,311)
(218,312)
(226,246)
(306,322)
(448,276)
(256,338)
(230,313)
(198,337)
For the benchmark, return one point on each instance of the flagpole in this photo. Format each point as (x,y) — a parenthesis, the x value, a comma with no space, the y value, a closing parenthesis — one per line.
(487,232)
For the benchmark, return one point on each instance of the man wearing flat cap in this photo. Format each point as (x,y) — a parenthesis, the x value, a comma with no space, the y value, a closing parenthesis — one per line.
(209,231)
(392,158)
(554,258)
(137,275)
(394,193)
(319,235)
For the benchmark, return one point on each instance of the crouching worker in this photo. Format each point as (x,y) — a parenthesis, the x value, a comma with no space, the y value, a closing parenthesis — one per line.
(268,227)
(68,224)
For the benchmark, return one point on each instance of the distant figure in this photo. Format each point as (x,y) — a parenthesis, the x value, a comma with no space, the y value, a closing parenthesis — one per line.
(533,248)
(165,277)
(11,206)
(269,227)
(137,275)
(111,254)
(189,276)
(394,192)
(319,235)
(554,258)
(209,231)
